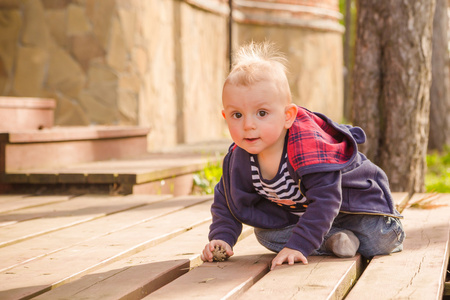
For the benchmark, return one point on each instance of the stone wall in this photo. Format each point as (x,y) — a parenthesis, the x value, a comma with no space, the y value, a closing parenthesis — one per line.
(127,62)
(159,63)
(181,96)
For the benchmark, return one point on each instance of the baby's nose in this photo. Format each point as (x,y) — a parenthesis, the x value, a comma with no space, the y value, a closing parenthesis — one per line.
(249,123)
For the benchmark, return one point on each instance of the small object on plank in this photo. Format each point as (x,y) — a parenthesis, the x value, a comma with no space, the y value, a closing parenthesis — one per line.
(219,253)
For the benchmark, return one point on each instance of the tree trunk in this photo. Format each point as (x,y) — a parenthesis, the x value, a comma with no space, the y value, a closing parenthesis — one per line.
(439,93)
(347,64)
(392,79)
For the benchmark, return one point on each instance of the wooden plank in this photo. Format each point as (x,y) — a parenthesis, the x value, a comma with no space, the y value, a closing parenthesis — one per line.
(236,281)
(139,274)
(72,178)
(142,273)
(37,178)
(324,277)
(138,170)
(177,186)
(40,220)
(5,202)
(29,156)
(418,272)
(169,172)
(400,200)
(10,203)
(102,178)
(221,280)
(40,246)
(34,212)
(82,205)
(145,168)
(26,113)
(27,102)
(72,133)
(10,198)
(48,272)
(13,177)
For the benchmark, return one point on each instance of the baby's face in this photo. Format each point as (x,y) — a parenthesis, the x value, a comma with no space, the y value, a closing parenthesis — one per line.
(256,116)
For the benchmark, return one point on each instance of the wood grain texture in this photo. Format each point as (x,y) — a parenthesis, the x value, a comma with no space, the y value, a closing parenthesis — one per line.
(36,221)
(58,268)
(39,246)
(221,280)
(142,273)
(418,272)
(15,202)
(324,277)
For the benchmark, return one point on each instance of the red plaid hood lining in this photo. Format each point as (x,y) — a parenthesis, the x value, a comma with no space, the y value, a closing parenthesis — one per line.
(313,141)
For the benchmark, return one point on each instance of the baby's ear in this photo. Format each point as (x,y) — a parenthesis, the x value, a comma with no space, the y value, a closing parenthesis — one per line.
(291,113)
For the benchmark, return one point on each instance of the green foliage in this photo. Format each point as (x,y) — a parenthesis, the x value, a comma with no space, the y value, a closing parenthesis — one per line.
(206,179)
(342,4)
(437,178)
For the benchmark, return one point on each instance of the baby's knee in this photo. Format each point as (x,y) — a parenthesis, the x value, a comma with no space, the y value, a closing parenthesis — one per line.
(389,238)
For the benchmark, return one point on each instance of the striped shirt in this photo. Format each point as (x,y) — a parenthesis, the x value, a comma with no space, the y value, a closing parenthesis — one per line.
(281,190)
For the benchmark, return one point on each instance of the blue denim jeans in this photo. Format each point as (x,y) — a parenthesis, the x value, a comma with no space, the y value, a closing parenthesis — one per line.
(377,235)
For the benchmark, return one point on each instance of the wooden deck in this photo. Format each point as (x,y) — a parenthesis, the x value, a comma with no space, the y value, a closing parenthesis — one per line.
(169,171)
(148,247)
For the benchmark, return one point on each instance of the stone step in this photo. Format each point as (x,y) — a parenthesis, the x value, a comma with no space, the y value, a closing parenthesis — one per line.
(61,146)
(168,172)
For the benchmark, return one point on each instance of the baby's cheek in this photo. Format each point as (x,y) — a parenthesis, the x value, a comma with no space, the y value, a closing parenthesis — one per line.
(235,135)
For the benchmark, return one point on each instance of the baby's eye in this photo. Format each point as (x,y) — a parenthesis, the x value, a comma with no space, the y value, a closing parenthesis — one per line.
(237,115)
(262,113)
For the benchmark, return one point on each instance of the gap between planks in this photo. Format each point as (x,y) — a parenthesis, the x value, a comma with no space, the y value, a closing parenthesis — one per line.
(62,237)
(216,280)
(50,271)
(326,277)
(36,221)
(418,272)
(142,273)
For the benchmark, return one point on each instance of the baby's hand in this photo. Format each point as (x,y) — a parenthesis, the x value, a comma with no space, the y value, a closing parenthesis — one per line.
(288,255)
(207,254)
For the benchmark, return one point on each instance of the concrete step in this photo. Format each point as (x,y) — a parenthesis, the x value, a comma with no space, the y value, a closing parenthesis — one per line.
(167,172)
(61,146)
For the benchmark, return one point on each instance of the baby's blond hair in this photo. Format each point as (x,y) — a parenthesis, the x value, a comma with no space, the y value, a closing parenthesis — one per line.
(255,62)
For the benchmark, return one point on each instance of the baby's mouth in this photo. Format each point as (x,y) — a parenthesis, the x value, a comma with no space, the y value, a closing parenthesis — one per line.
(251,139)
